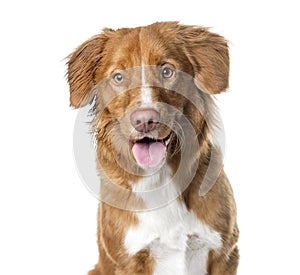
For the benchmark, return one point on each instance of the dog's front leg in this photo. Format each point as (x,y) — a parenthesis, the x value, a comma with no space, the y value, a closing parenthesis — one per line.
(225,264)
(139,264)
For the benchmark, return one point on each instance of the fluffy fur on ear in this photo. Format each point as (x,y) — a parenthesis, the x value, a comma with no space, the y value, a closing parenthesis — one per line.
(208,53)
(82,64)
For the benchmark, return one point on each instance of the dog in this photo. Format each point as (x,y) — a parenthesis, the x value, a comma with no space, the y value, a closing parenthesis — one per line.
(166,206)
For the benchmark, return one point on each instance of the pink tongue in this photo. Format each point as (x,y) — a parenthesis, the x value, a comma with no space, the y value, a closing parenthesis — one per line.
(149,154)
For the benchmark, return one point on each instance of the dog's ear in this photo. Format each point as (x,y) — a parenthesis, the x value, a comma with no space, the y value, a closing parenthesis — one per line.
(208,53)
(82,65)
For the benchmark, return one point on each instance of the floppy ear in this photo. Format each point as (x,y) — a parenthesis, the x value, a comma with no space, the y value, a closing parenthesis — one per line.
(208,53)
(82,64)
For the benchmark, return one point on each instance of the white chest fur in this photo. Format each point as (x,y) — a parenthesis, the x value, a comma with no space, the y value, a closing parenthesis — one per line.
(177,240)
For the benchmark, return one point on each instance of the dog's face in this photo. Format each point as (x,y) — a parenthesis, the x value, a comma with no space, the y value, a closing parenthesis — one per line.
(153,86)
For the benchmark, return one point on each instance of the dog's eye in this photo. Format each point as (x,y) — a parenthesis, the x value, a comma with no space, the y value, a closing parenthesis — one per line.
(118,78)
(167,72)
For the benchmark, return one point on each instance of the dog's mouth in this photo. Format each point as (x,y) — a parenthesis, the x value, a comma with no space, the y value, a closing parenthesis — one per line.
(150,152)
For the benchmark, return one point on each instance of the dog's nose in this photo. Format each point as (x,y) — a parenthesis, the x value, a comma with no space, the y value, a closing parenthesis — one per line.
(144,120)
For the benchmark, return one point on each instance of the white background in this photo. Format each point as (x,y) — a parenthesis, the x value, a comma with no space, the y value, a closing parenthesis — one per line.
(48,218)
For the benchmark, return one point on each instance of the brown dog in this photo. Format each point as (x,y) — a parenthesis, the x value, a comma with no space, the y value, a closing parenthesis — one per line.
(166,206)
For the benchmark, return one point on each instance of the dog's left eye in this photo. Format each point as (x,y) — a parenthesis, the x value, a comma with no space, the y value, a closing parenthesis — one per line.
(118,78)
(167,72)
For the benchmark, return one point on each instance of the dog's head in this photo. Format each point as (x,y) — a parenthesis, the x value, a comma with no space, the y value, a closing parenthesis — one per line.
(153,88)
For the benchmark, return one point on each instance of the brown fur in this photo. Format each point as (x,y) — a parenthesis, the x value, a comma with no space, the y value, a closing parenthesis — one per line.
(195,51)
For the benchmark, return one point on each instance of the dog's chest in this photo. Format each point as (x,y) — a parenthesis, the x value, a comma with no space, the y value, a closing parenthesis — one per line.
(178,241)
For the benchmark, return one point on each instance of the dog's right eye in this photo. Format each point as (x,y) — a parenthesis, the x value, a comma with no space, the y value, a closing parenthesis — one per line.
(118,78)
(167,72)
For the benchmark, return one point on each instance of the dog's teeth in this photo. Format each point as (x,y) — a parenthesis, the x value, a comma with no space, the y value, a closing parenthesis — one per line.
(167,141)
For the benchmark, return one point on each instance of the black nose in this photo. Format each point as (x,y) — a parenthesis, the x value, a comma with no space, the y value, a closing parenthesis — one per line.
(144,120)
